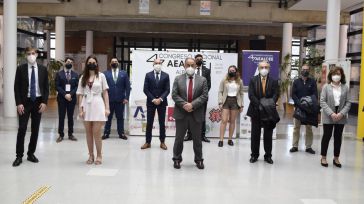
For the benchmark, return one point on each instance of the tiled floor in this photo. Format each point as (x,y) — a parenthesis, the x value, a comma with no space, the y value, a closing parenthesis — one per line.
(129,175)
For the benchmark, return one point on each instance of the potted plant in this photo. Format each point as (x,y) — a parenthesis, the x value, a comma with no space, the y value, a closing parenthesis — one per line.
(285,81)
(53,67)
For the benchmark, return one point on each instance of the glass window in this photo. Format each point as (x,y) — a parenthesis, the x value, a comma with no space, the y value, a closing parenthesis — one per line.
(355,43)
(356,21)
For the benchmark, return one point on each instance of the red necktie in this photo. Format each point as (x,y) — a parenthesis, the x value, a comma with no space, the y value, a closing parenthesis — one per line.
(190,86)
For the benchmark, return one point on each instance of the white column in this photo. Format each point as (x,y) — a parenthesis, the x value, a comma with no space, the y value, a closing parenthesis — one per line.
(332,30)
(1,59)
(89,43)
(60,37)
(10,50)
(287,40)
(343,47)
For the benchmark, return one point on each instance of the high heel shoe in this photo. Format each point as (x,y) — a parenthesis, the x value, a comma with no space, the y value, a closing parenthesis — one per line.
(324,164)
(220,144)
(230,142)
(336,164)
(91,159)
(98,161)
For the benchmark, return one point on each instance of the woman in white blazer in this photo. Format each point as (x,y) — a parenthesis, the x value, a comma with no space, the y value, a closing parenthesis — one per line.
(335,106)
(230,101)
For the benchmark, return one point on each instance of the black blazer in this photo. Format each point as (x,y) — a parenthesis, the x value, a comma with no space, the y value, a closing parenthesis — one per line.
(255,93)
(21,84)
(61,81)
(154,90)
(207,74)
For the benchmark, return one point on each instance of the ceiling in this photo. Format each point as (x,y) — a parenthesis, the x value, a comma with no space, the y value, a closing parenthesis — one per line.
(321,5)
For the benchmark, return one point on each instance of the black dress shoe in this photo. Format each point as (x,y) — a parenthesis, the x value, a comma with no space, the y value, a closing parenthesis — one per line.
(123,137)
(253,159)
(221,143)
(176,164)
(230,142)
(269,160)
(310,150)
(200,165)
(324,164)
(59,139)
(17,161)
(72,138)
(204,138)
(336,164)
(188,137)
(104,137)
(293,149)
(32,158)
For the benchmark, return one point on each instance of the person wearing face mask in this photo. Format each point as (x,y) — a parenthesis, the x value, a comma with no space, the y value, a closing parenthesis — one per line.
(262,89)
(119,91)
(335,104)
(189,93)
(231,102)
(31,90)
(303,87)
(156,88)
(201,70)
(93,102)
(66,85)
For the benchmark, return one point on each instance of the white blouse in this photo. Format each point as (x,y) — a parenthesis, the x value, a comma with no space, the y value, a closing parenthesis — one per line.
(232,88)
(337,93)
(98,86)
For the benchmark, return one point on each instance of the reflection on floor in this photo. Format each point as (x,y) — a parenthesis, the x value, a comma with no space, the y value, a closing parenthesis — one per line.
(130,175)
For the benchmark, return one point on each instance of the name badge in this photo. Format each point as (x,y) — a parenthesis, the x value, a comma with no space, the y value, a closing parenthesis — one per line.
(68,87)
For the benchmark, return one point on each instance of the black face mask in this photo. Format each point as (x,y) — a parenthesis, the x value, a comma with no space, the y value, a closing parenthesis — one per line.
(305,73)
(68,66)
(114,65)
(91,66)
(232,74)
(199,62)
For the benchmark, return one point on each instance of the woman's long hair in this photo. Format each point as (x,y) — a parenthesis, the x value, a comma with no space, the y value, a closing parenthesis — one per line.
(86,71)
(237,76)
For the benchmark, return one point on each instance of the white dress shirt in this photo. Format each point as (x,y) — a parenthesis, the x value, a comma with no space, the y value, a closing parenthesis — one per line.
(197,70)
(336,89)
(115,72)
(37,89)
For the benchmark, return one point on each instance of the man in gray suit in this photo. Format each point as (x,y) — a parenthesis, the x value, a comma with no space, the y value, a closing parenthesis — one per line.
(190,93)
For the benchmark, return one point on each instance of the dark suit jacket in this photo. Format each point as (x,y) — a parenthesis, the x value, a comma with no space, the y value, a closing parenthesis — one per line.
(207,74)
(256,93)
(179,96)
(154,90)
(21,84)
(121,89)
(61,81)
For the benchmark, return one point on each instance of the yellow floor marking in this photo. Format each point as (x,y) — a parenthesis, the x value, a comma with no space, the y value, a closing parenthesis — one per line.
(36,195)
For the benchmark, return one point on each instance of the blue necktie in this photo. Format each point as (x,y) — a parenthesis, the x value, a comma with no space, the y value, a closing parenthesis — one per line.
(33,95)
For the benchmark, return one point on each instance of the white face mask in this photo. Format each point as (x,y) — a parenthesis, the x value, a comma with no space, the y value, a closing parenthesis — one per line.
(336,78)
(263,72)
(31,59)
(190,71)
(157,68)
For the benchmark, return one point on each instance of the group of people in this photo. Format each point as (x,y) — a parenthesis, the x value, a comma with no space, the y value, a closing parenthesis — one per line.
(100,95)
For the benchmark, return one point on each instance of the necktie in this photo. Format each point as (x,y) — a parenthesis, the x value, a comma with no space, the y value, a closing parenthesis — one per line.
(263,85)
(68,76)
(190,87)
(32,85)
(157,78)
(198,71)
(114,76)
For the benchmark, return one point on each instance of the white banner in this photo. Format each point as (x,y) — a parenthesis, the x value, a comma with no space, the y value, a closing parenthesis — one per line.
(173,63)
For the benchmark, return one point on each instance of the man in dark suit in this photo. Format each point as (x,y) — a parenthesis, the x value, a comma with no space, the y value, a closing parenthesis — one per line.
(31,96)
(190,93)
(119,91)
(201,70)
(156,87)
(66,84)
(261,86)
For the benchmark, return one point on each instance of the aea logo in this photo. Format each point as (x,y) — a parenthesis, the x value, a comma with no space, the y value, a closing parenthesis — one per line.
(215,115)
(137,110)
(153,57)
